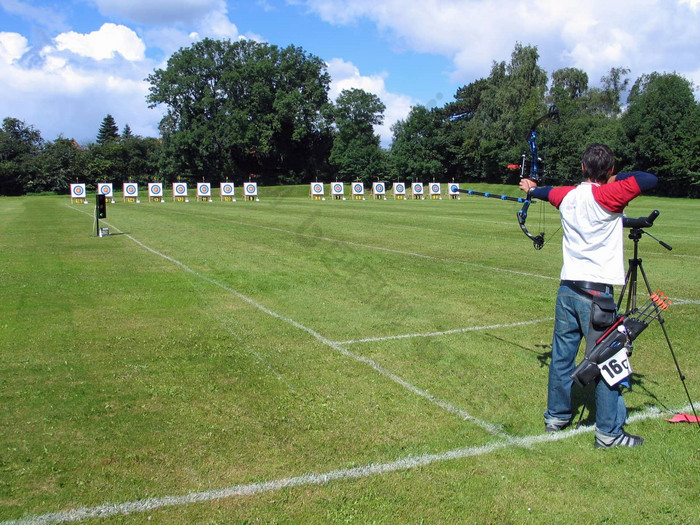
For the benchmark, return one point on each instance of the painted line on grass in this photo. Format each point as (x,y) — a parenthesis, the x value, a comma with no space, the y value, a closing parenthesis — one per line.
(444,332)
(373,469)
(495,430)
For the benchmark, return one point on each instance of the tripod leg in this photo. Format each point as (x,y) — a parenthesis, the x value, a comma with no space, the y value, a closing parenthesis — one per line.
(670,347)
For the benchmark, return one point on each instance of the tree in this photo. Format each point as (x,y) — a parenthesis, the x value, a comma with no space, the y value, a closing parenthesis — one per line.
(108,130)
(243,107)
(61,162)
(19,146)
(662,122)
(356,152)
(417,151)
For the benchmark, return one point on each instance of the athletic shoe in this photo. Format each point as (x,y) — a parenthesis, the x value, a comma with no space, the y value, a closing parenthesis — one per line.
(623,440)
(555,427)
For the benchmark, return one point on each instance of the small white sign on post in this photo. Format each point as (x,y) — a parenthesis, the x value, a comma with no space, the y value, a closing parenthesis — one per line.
(250,191)
(131,192)
(204,191)
(317,191)
(338,190)
(180,192)
(106,189)
(78,194)
(155,192)
(418,190)
(358,190)
(227,192)
(379,190)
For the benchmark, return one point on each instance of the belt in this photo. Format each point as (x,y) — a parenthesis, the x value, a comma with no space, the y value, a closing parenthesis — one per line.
(588,286)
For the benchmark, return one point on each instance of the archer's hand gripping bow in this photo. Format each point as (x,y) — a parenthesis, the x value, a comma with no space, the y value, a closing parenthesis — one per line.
(534,175)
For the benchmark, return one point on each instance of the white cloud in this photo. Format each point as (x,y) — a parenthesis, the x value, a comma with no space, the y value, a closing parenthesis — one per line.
(103,44)
(160,12)
(345,75)
(13,46)
(595,35)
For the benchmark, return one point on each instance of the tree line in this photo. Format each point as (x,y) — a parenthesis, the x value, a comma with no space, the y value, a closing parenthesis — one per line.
(252,111)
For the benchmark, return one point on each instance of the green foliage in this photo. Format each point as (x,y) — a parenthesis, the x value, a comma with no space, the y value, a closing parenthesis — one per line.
(356,153)
(241,108)
(251,110)
(109,131)
(662,124)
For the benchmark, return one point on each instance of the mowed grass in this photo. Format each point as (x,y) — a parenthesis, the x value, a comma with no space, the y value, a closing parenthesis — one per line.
(215,345)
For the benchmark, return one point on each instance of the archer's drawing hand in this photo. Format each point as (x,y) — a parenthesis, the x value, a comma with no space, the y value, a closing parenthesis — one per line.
(526,185)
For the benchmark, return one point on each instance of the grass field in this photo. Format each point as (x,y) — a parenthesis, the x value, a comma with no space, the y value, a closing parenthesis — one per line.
(299,361)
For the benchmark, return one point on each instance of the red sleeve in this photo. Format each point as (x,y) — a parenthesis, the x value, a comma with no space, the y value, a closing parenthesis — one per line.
(556,195)
(616,195)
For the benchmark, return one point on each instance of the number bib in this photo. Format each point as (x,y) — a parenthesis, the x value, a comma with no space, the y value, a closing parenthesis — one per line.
(616,368)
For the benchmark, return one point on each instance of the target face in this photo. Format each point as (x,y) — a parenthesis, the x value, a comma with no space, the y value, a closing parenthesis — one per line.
(180,189)
(77,190)
(337,188)
(316,188)
(226,188)
(105,188)
(379,188)
(203,188)
(358,188)
(131,189)
(399,188)
(434,188)
(251,188)
(155,189)
(417,188)
(454,188)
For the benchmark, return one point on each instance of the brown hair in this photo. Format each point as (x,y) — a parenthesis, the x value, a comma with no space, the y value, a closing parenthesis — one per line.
(598,160)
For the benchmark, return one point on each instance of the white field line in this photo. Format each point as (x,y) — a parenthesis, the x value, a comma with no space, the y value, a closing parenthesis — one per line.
(444,332)
(373,469)
(449,407)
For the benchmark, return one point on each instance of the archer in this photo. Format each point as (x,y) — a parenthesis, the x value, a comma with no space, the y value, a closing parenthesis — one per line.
(593,252)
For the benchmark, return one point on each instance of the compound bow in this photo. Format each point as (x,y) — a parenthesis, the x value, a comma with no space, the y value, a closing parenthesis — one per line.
(535,174)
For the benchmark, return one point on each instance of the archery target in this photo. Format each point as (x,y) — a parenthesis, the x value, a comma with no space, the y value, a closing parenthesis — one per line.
(180,189)
(131,189)
(454,189)
(155,189)
(227,189)
(417,188)
(337,188)
(435,188)
(399,188)
(105,188)
(251,189)
(378,188)
(203,189)
(77,191)
(358,188)
(316,188)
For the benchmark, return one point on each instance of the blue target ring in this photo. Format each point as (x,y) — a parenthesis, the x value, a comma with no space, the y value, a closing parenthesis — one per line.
(358,188)
(180,189)
(78,190)
(318,188)
(130,189)
(155,189)
(227,189)
(204,189)
(250,188)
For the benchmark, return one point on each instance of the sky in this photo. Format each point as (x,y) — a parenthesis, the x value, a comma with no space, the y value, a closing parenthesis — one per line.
(66,64)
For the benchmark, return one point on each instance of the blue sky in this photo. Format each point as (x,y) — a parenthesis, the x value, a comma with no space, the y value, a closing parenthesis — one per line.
(65,64)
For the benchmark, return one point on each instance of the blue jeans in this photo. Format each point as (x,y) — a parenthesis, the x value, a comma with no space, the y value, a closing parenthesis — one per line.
(571,323)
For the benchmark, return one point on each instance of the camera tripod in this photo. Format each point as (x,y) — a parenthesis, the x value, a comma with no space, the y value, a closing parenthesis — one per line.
(630,288)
